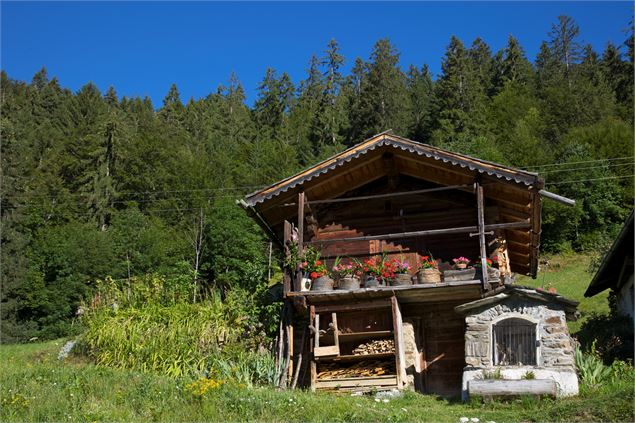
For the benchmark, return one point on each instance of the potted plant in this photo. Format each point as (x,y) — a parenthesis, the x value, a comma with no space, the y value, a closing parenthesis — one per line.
(347,274)
(316,269)
(399,272)
(461,262)
(428,270)
(493,274)
(374,269)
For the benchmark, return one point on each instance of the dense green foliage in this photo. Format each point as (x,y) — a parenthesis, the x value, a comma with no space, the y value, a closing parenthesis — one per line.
(37,387)
(94,185)
(150,324)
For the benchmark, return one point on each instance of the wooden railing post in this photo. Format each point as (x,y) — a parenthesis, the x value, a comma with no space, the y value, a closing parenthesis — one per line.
(298,277)
(481,234)
(288,272)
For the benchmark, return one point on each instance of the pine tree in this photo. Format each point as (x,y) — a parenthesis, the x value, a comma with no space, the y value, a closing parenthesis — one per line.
(459,98)
(383,100)
(332,118)
(615,71)
(512,65)
(173,108)
(481,59)
(420,89)
(564,44)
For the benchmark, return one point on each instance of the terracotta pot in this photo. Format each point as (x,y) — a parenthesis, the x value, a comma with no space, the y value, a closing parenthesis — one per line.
(323,283)
(428,276)
(461,265)
(401,279)
(349,283)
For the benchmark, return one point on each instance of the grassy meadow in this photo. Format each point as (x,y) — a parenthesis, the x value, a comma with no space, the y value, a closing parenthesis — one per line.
(570,276)
(36,386)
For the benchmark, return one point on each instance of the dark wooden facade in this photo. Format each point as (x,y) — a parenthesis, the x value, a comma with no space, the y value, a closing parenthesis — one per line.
(395,196)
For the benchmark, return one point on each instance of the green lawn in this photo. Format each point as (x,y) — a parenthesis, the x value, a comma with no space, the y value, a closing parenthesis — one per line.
(35,386)
(569,275)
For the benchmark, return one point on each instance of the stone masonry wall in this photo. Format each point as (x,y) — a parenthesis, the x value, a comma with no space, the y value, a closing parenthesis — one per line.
(556,348)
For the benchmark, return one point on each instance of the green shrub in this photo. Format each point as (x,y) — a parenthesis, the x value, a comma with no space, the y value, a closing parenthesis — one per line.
(148,324)
(613,335)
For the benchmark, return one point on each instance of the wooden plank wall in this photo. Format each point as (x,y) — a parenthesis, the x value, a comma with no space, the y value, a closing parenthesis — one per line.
(441,336)
(445,209)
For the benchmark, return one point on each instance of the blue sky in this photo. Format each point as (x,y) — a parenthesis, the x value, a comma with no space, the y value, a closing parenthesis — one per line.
(141,48)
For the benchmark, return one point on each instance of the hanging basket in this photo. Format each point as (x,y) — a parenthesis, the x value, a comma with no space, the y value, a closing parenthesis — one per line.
(428,276)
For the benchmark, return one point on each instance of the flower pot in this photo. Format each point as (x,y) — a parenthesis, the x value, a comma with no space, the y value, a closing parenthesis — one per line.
(428,276)
(459,275)
(460,265)
(323,283)
(348,283)
(401,279)
(305,285)
(371,282)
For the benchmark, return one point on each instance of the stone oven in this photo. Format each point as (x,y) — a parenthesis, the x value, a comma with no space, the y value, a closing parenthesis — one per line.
(520,333)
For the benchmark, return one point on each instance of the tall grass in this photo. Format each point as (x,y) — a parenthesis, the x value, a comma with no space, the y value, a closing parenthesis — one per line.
(150,326)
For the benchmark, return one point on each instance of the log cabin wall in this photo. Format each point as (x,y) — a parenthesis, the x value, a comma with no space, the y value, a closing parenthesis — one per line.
(427,211)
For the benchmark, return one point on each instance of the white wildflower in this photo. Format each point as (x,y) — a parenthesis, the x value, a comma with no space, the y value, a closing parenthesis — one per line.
(474,420)
(377,400)
(386,400)
(464,420)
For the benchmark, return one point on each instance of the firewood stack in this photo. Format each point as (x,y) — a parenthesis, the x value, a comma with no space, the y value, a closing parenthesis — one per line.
(377,346)
(366,368)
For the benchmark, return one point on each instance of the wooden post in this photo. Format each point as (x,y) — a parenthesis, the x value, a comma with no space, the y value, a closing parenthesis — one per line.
(313,366)
(298,276)
(286,278)
(290,335)
(399,342)
(481,233)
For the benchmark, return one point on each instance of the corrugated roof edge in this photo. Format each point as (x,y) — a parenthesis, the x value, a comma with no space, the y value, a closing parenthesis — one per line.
(386,138)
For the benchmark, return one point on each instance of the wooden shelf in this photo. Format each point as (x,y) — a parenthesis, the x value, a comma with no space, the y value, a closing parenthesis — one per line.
(361,336)
(356,357)
(357,382)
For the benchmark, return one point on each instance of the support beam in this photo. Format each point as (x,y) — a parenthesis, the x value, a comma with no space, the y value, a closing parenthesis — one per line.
(288,272)
(559,198)
(431,232)
(480,203)
(392,194)
(298,277)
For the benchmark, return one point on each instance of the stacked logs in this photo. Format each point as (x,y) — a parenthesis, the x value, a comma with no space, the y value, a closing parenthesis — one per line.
(377,346)
(366,368)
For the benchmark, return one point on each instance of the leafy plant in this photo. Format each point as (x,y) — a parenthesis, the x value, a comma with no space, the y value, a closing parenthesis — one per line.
(313,264)
(529,375)
(590,367)
(495,374)
(427,262)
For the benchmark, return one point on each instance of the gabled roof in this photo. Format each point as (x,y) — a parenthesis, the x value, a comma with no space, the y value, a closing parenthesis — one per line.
(608,275)
(509,291)
(509,174)
(517,193)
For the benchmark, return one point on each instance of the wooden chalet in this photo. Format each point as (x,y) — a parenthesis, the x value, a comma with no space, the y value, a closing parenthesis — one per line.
(406,199)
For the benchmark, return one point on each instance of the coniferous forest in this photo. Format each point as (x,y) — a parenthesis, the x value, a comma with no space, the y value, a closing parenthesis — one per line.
(95,185)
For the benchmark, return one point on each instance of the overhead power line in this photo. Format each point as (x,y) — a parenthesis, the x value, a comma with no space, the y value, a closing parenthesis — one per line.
(589,180)
(612,166)
(582,162)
